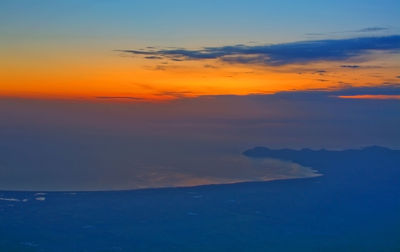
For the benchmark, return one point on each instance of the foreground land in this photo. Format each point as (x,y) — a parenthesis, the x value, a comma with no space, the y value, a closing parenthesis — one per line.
(354,206)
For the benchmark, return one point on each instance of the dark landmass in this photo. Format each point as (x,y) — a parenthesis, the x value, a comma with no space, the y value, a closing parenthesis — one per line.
(373,165)
(380,156)
(354,206)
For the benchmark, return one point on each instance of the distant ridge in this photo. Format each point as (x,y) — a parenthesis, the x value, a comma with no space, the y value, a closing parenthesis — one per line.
(368,165)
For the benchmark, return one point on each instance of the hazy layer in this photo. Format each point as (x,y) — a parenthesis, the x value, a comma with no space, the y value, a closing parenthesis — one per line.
(60,145)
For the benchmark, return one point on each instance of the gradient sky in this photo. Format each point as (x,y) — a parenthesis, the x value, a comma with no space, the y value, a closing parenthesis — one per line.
(72,49)
(115,94)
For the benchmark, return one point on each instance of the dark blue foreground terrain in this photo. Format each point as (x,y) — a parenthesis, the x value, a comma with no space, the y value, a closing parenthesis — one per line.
(355,206)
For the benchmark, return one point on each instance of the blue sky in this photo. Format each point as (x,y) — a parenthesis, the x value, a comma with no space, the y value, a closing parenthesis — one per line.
(166,23)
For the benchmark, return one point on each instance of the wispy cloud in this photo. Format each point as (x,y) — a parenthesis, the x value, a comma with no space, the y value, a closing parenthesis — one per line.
(120,97)
(385,91)
(281,54)
(371,97)
(372,29)
(350,66)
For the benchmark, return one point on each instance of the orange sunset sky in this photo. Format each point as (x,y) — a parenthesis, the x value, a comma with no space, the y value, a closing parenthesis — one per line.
(77,51)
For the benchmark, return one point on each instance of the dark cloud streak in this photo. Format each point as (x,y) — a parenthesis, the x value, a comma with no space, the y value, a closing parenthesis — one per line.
(373,29)
(120,97)
(363,30)
(282,54)
(350,66)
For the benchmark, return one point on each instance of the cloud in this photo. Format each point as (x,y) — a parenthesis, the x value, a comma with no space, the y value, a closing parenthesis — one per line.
(153,57)
(315,34)
(320,72)
(371,97)
(372,29)
(282,54)
(382,92)
(119,97)
(384,89)
(350,66)
(363,30)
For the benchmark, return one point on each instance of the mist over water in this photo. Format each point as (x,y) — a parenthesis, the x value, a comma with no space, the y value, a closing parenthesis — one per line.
(60,145)
(110,163)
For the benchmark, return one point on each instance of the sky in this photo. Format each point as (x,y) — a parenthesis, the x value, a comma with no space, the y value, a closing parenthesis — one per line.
(116,94)
(80,49)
